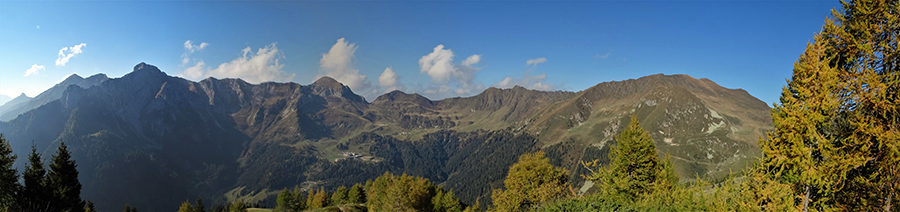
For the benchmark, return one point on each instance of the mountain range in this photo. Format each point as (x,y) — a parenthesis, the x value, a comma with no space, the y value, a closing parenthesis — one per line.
(152,140)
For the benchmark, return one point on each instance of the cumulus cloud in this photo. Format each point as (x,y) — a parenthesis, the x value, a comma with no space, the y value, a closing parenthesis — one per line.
(339,64)
(189,48)
(262,66)
(472,60)
(536,61)
(195,72)
(534,82)
(437,64)
(440,67)
(388,78)
(33,70)
(67,53)
(388,81)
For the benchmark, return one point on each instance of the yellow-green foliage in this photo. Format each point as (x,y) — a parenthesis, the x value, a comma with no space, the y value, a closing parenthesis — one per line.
(291,201)
(407,193)
(317,199)
(356,194)
(635,171)
(531,182)
(185,207)
(340,196)
(837,136)
(400,193)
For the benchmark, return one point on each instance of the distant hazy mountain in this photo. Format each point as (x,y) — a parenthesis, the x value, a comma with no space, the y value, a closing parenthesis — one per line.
(4,99)
(8,112)
(153,141)
(22,98)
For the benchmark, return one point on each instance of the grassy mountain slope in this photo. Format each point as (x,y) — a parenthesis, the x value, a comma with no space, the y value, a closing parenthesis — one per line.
(153,140)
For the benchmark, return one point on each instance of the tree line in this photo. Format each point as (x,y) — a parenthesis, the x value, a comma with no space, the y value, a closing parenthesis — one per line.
(388,192)
(56,189)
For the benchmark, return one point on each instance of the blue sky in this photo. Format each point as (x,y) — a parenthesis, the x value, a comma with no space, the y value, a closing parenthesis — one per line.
(438,49)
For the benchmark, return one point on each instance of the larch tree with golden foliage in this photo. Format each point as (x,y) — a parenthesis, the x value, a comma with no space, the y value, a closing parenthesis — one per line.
(531,182)
(837,132)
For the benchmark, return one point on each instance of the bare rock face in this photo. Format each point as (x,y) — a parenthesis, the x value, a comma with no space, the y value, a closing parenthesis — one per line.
(153,140)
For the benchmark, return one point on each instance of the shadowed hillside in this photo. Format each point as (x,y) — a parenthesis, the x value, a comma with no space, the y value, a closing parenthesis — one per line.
(153,140)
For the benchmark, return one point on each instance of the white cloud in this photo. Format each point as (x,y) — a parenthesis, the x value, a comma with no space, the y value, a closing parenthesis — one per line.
(338,64)
(72,51)
(388,78)
(536,61)
(437,64)
(195,72)
(472,60)
(605,56)
(262,66)
(437,90)
(33,70)
(190,47)
(440,67)
(506,83)
(534,82)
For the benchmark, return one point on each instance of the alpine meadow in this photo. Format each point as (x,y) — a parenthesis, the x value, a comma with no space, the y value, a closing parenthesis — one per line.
(619,106)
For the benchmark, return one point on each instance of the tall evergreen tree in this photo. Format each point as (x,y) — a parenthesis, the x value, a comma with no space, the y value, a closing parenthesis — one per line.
(309,198)
(283,201)
(340,196)
(356,194)
(635,170)
(35,194)
(9,178)
(319,200)
(63,181)
(298,203)
(836,139)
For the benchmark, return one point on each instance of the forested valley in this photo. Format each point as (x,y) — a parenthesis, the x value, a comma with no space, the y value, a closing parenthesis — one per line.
(834,144)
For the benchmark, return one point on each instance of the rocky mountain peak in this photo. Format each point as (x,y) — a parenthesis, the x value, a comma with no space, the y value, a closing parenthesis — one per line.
(327,82)
(72,79)
(327,86)
(142,70)
(398,96)
(100,76)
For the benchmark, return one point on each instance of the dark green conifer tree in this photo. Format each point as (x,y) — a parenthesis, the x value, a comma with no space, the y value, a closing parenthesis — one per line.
(298,203)
(340,196)
(34,196)
(284,200)
(63,181)
(356,194)
(635,171)
(9,178)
